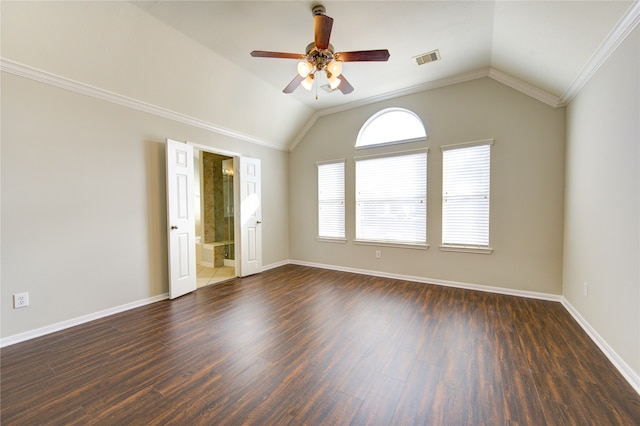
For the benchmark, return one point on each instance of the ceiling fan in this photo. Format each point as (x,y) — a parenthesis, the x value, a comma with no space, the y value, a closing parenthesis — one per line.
(319,56)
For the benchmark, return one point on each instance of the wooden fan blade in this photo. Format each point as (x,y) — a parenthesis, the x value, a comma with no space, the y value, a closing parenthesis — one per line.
(345,87)
(294,84)
(322,30)
(363,55)
(282,55)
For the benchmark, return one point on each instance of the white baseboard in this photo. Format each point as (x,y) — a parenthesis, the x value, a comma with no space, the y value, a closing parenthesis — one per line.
(631,376)
(276,265)
(468,286)
(32,334)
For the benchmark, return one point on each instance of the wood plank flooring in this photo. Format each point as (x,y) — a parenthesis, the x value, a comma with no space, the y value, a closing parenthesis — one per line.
(303,346)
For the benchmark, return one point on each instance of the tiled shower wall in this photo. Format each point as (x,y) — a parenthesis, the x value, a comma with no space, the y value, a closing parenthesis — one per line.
(216,226)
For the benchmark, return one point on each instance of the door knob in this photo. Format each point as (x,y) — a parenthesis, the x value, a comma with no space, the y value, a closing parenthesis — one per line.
(174,227)
(258,221)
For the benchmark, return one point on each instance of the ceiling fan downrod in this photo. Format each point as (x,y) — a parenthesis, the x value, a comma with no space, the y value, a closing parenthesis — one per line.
(320,56)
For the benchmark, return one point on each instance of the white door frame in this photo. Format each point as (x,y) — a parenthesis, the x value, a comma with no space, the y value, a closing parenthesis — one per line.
(236,197)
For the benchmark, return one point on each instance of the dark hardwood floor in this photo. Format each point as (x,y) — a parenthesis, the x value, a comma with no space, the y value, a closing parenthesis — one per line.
(304,346)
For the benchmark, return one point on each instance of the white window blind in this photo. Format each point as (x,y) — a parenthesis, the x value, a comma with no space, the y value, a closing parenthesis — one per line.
(391,199)
(331,200)
(465,190)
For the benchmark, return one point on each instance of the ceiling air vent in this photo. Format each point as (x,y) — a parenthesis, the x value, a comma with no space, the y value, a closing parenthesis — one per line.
(425,58)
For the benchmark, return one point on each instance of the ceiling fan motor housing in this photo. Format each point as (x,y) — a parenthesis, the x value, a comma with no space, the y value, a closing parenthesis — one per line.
(320,56)
(318,9)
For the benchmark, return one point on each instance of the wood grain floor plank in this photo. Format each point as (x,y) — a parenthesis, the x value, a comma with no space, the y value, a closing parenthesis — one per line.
(418,399)
(340,409)
(304,346)
(381,401)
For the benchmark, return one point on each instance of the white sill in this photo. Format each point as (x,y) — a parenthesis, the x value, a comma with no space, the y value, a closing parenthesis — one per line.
(467,249)
(385,244)
(331,240)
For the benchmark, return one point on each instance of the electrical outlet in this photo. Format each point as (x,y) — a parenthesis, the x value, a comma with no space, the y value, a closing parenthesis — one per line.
(378,254)
(585,288)
(20,300)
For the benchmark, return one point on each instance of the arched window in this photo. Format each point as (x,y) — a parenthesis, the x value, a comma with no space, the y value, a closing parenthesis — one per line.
(389,126)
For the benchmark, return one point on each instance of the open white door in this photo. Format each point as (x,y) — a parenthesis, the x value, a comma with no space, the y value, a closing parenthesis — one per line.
(181,219)
(250,217)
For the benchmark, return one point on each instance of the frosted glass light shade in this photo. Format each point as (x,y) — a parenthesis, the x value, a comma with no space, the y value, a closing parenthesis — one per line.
(335,68)
(304,68)
(334,82)
(307,83)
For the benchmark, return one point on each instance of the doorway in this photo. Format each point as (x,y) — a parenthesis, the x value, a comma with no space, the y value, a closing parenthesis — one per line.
(246,242)
(215,217)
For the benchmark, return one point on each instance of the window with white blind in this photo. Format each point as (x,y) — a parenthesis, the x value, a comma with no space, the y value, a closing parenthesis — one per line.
(391,199)
(466,199)
(331,200)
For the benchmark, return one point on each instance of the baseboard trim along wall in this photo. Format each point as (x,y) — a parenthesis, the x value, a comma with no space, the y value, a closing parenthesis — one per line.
(478,287)
(276,265)
(631,376)
(38,332)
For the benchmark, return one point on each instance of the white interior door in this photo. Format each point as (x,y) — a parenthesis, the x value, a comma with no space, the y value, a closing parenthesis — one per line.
(181,219)
(250,217)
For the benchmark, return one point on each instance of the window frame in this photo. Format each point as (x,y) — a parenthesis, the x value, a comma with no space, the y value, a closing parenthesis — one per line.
(380,114)
(467,248)
(331,239)
(391,243)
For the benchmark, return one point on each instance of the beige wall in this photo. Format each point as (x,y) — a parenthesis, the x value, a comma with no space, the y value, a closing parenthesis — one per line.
(83,193)
(602,227)
(118,47)
(527,178)
(83,202)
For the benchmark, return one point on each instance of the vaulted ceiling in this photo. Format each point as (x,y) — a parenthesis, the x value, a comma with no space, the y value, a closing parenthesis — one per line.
(192,57)
(545,44)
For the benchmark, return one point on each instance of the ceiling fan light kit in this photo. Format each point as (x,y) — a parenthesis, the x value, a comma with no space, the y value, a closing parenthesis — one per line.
(304,69)
(334,81)
(335,68)
(307,83)
(319,56)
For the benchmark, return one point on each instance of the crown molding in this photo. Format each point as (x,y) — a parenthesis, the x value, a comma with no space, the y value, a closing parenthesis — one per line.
(443,82)
(307,126)
(526,88)
(493,73)
(95,92)
(459,78)
(618,34)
